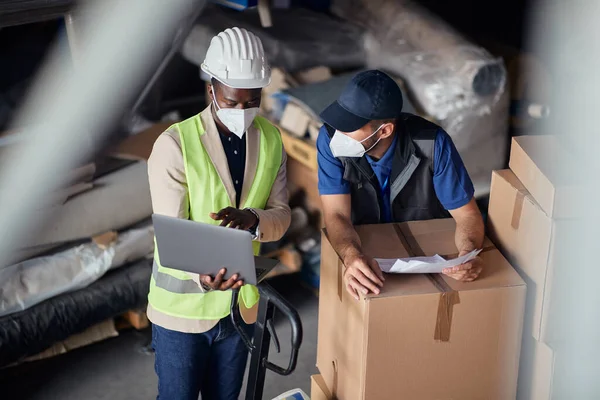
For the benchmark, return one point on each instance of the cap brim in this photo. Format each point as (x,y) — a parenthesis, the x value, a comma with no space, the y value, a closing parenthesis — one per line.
(341,119)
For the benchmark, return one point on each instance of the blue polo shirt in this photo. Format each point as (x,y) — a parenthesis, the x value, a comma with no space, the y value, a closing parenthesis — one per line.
(452,183)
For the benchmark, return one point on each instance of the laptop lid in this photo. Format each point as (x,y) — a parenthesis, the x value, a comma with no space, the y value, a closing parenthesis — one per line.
(204,249)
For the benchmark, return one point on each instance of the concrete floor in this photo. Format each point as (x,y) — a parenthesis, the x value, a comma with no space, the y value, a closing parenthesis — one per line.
(122,368)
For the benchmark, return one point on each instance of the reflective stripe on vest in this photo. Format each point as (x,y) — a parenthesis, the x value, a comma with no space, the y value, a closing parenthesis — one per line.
(172,284)
(173,292)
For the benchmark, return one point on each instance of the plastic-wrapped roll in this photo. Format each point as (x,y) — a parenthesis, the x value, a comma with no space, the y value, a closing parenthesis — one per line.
(440,65)
(30,282)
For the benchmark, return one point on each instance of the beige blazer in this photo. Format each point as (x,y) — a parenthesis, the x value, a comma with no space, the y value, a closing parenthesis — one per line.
(169,191)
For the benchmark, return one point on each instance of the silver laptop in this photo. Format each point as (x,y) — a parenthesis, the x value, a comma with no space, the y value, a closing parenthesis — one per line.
(205,249)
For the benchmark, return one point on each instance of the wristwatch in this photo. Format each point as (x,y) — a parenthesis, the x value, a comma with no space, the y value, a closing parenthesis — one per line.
(254,228)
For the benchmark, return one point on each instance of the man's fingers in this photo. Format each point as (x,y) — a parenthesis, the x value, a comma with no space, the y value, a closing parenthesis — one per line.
(465,276)
(375,267)
(226,220)
(219,277)
(368,272)
(229,283)
(458,268)
(239,284)
(221,213)
(352,291)
(366,283)
(358,286)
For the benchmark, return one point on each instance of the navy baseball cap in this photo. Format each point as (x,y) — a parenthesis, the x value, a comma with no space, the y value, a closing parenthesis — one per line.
(370,95)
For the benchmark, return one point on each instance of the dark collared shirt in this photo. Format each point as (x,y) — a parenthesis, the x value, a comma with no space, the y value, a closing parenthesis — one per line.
(235,151)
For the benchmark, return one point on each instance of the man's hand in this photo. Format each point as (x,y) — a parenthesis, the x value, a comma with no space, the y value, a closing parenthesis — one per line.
(234,218)
(466,272)
(217,283)
(362,275)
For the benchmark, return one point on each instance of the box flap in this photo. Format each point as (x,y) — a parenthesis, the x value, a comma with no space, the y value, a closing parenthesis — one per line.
(551,173)
(319,389)
(549,156)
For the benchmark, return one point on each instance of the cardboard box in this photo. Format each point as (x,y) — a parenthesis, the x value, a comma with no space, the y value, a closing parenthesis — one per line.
(536,370)
(279,81)
(305,179)
(313,75)
(313,130)
(541,163)
(318,389)
(526,236)
(425,336)
(295,120)
(302,150)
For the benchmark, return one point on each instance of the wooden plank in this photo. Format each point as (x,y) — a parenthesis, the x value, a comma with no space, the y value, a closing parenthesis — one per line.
(132,319)
(290,262)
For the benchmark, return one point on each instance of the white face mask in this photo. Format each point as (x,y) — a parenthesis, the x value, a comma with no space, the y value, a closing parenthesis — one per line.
(344,146)
(236,120)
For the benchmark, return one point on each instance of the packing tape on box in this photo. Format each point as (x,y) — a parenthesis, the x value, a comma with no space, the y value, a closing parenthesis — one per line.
(448,296)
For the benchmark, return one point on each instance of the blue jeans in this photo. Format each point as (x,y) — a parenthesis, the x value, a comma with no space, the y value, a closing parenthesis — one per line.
(212,363)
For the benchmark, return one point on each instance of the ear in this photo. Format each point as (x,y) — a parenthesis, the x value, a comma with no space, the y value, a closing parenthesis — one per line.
(387,130)
(211,92)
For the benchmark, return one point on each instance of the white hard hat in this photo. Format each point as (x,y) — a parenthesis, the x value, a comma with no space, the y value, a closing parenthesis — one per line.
(236,58)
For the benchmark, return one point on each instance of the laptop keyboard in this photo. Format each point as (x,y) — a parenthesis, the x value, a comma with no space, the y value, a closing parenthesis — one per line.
(260,271)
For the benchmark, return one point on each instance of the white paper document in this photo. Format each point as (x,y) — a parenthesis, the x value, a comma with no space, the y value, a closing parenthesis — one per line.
(422,265)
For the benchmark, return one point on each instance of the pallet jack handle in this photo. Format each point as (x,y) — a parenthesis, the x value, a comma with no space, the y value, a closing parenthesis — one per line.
(270,301)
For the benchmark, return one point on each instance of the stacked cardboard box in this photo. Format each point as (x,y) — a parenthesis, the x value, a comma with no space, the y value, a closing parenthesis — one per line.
(426,336)
(318,389)
(527,216)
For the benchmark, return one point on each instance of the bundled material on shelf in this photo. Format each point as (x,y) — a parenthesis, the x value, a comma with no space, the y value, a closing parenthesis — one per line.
(118,200)
(459,84)
(77,182)
(30,332)
(299,39)
(30,282)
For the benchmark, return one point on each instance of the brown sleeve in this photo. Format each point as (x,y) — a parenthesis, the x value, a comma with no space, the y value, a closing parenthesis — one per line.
(168,184)
(166,174)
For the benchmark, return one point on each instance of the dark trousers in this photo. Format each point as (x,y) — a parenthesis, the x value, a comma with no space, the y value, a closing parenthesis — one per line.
(212,363)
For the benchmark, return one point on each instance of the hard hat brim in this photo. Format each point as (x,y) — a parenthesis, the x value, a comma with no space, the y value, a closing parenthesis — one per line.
(239,83)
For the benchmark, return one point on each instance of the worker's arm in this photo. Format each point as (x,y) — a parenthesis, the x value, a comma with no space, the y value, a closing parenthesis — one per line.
(469,236)
(275,219)
(169,193)
(455,191)
(362,273)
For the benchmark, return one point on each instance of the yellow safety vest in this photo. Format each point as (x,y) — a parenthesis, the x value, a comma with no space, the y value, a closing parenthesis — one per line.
(173,292)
